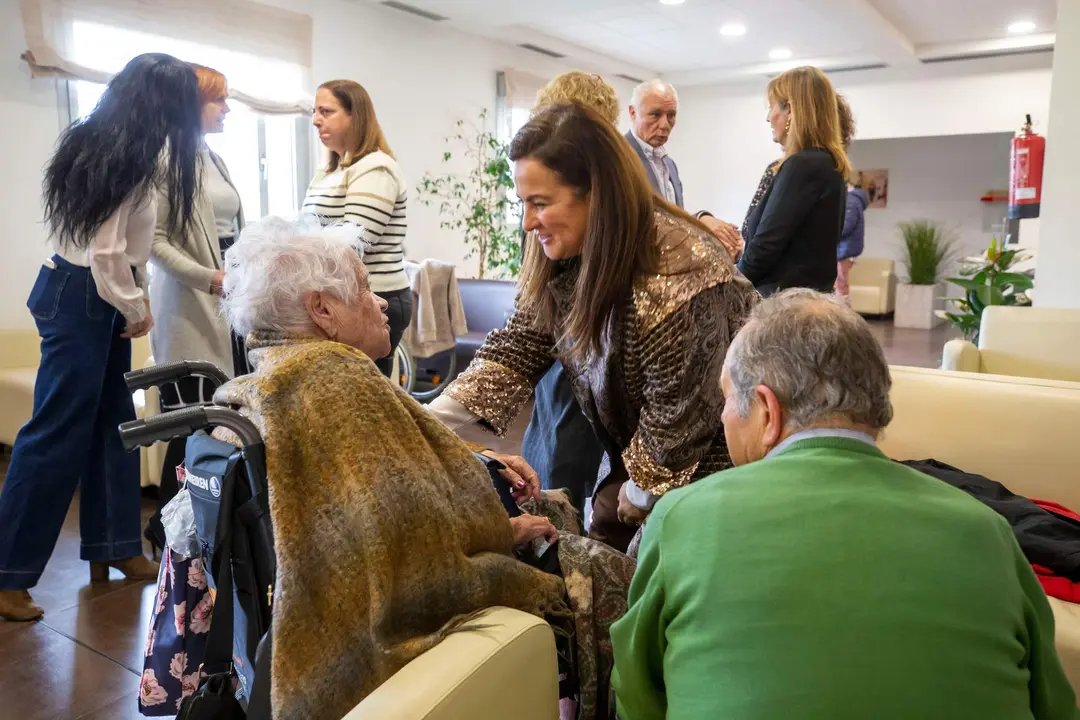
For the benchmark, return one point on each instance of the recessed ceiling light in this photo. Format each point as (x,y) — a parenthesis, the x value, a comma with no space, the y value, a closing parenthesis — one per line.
(1021,27)
(672,2)
(732,29)
(779,54)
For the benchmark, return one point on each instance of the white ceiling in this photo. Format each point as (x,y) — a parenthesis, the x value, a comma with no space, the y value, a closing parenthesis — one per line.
(933,21)
(683,43)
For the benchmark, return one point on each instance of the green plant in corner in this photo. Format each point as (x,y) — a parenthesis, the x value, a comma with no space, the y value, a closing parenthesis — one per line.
(987,280)
(479,203)
(927,248)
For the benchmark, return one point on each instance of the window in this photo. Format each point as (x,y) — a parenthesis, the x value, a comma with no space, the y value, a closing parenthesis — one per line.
(510,116)
(269,156)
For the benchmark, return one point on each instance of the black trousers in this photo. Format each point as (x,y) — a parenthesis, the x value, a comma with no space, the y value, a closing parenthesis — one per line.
(399,310)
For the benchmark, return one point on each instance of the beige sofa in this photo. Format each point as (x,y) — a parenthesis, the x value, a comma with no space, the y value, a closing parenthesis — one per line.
(20,353)
(506,670)
(1021,432)
(1018,431)
(1021,341)
(872,284)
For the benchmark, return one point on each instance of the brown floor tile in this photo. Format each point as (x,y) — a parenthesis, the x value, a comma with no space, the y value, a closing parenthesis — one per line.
(48,676)
(114,624)
(917,348)
(125,708)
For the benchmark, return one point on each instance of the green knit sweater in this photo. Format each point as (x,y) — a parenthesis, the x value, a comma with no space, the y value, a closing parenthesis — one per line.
(825,583)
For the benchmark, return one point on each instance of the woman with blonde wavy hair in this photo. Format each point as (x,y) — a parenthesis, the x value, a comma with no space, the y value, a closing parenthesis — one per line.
(582,88)
(793,231)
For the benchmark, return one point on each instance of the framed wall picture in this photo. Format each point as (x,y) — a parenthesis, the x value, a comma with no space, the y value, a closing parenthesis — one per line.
(876,185)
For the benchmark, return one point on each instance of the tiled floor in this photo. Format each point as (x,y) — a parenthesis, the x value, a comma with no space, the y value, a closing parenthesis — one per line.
(83,661)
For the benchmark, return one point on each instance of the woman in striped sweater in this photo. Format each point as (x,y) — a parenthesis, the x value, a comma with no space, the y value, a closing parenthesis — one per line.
(363,184)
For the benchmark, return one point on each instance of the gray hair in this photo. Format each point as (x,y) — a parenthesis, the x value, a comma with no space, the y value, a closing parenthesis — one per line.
(275,263)
(817,355)
(658,85)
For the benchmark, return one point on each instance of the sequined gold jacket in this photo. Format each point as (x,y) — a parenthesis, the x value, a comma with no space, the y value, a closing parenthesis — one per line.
(653,395)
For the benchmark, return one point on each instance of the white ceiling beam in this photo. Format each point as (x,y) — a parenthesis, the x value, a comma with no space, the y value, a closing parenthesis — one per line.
(976,48)
(577,56)
(889,43)
(761,71)
(463,15)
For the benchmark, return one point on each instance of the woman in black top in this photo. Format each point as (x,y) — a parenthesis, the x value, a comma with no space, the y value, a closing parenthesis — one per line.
(791,234)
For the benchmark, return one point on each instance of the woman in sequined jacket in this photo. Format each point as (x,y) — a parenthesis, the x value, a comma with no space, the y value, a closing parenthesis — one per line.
(638,300)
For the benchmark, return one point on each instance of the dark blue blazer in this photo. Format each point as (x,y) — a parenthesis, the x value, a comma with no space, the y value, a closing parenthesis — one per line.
(672,169)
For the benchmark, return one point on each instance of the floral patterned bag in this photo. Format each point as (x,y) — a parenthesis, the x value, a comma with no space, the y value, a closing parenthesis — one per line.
(176,641)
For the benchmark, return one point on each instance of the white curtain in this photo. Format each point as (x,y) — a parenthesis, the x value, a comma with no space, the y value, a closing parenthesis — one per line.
(521,88)
(247,30)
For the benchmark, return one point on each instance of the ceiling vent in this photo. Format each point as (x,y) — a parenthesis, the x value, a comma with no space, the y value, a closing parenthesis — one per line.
(958,57)
(419,12)
(845,68)
(857,68)
(631,78)
(542,51)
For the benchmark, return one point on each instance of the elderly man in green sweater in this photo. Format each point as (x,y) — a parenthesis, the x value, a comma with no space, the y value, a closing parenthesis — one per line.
(818,579)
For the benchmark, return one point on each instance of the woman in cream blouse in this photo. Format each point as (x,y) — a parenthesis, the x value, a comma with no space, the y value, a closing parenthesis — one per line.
(89,300)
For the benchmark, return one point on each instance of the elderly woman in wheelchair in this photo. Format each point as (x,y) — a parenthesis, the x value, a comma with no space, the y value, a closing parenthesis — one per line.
(390,532)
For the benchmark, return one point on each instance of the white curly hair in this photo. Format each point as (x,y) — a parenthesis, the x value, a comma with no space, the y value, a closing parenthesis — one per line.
(275,263)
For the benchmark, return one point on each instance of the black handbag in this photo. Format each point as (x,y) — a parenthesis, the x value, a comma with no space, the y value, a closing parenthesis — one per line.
(216,697)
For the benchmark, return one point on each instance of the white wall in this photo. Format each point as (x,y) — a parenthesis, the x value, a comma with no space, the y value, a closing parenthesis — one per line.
(1059,245)
(30,122)
(722,143)
(936,178)
(422,77)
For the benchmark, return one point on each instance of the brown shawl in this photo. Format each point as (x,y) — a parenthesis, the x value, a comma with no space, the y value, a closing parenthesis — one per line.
(386,530)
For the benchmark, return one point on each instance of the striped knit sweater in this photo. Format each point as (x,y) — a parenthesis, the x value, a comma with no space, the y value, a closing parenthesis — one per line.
(372,193)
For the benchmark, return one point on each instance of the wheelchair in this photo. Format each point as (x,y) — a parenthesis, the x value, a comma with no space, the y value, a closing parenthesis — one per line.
(424,380)
(228,487)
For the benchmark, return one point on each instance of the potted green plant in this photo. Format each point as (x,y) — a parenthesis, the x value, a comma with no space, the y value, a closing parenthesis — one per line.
(927,248)
(987,280)
(479,203)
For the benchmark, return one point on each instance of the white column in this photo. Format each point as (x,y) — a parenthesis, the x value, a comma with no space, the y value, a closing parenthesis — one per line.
(1058,256)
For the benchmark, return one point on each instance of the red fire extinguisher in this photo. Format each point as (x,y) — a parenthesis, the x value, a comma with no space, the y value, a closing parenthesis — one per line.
(1025,174)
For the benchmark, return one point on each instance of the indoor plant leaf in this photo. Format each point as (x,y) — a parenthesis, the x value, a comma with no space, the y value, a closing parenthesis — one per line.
(1019,281)
(966,283)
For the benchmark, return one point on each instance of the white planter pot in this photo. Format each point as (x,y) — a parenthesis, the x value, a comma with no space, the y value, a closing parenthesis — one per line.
(915,306)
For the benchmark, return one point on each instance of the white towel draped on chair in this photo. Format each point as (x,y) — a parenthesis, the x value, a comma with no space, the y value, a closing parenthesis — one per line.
(438,314)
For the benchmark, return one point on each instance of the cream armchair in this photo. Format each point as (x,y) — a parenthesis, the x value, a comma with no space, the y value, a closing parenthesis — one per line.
(20,354)
(508,669)
(1022,342)
(1020,432)
(872,285)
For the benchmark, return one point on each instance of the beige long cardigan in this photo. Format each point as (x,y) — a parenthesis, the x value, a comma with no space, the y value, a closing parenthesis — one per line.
(188,324)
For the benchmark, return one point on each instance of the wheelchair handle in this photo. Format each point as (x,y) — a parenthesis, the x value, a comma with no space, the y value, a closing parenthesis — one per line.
(173,372)
(184,422)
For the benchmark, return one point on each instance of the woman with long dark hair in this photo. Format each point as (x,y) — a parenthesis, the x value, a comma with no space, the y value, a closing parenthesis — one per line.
(88,302)
(637,299)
